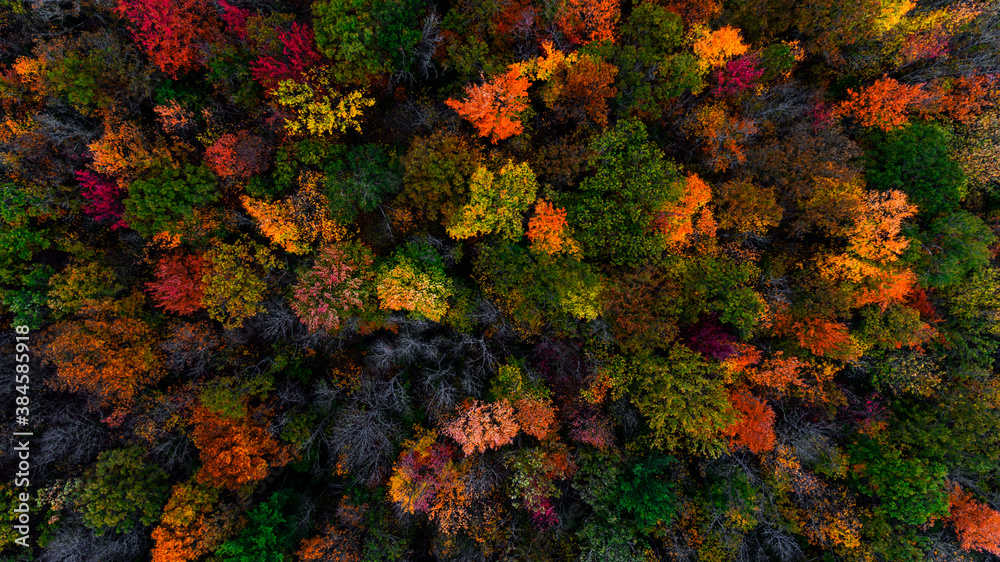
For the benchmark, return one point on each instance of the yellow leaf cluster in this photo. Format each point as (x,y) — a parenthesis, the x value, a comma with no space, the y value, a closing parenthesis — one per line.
(320,110)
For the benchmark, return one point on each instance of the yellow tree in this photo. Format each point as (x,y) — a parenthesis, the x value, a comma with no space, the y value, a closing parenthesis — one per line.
(496,203)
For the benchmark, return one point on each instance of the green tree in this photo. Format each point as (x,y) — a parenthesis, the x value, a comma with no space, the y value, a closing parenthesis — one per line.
(155,204)
(360,179)
(684,401)
(121,490)
(536,291)
(653,65)
(908,488)
(497,203)
(954,246)
(438,169)
(915,160)
(615,209)
(365,38)
(235,283)
(269,535)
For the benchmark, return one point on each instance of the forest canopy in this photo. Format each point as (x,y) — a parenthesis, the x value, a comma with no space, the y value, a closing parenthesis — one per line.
(368,280)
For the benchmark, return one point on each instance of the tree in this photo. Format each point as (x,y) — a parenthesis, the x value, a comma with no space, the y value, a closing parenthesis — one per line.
(916,161)
(977,526)
(493,106)
(365,38)
(337,287)
(683,401)
(80,285)
(172,31)
(156,204)
(754,427)
(549,232)
(104,354)
(300,56)
(714,48)
(414,280)
(122,490)
(883,104)
(478,427)
(739,75)
(721,135)
(320,109)
(238,156)
(675,219)
(533,292)
(438,170)
(193,523)
(616,207)
(496,203)
(586,21)
(270,533)
(103,199)
(234,282)
(178,286)
(234,452)
(909,489)
(425,479)
(359,180)
(954,246)
(746,207)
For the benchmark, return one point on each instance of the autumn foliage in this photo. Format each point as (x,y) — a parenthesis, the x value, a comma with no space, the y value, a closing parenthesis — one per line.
(234,451)
(479,426)
(977,525)
(178,285)
(172,31)
(883,104)
(492,107)
(105,355)
(548,230)
(754,428)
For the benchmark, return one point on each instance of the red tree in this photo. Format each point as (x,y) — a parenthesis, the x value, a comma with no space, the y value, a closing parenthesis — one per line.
(104,198)
(178,285)
(238,156)
(172,31)
(300,52)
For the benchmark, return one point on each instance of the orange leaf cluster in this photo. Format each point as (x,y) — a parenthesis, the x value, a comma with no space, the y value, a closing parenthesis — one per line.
(675,220)
(549,231)
(537,417)
(483,426)
(192,524)
(877,226)
(778,372)
(722,135)
(977,526)
(237,156)
(821,336)
(234,452)
(716,47)
(492,107)
(333,544)
(584,21)
(882,104)
(107,356)
(754,427)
